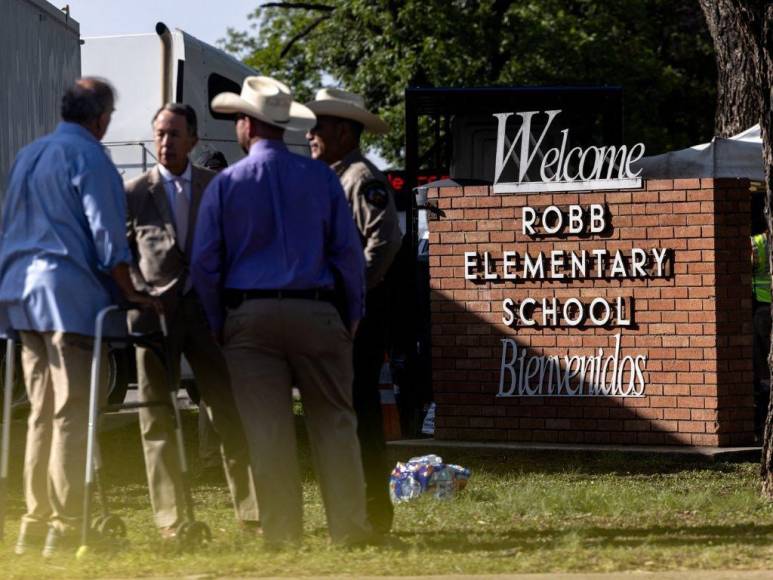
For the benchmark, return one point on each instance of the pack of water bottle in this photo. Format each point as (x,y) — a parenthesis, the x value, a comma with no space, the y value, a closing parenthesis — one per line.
(426,474)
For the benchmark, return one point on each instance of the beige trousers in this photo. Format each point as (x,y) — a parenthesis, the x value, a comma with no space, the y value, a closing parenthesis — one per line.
(190,335)
(271,345)
(57,371)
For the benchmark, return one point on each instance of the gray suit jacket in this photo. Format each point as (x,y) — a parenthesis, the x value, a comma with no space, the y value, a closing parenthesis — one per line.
(160,264)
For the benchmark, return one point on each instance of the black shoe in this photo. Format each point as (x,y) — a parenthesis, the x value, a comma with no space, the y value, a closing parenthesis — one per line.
(31,536)
(250,527)
(58,541)
(380,515)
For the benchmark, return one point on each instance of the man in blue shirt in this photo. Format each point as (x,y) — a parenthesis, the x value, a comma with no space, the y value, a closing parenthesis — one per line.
(273,235)
(62,252)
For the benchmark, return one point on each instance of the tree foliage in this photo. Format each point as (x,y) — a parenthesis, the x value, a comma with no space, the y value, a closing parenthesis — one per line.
(659,51)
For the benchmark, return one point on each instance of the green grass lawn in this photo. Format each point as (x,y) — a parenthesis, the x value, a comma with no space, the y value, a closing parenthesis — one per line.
(521,512)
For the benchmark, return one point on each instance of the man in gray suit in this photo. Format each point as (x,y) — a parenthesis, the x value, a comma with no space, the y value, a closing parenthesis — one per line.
(162,205)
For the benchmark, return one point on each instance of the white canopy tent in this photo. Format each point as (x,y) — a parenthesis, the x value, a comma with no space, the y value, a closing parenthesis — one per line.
(738,156)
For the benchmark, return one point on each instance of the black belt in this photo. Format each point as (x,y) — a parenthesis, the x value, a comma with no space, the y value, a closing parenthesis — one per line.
(233,298)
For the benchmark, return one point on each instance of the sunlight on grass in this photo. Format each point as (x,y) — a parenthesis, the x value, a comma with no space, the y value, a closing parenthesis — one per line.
(521,512)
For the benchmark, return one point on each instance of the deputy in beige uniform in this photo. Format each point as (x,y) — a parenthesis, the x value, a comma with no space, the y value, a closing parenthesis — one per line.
(335,139)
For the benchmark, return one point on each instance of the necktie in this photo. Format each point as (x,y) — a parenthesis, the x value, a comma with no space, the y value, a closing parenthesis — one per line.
(182,208)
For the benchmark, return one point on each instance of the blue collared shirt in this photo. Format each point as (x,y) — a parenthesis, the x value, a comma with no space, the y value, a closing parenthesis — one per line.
(275,221)
(63,230)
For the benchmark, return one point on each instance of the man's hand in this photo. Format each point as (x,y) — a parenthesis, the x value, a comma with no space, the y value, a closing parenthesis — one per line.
(353,328)
(145,301)
(123,279)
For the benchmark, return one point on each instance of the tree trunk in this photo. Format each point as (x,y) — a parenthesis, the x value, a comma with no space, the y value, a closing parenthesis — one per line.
(737,52)
(754,20)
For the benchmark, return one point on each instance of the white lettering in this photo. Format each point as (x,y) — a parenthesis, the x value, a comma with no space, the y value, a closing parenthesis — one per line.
(618,265)
(660,256)
(592,311)
(534,269)
(509,263)
(621,315)
(575,219)
(470,264)
(632,159)
(522,312)
(507,344)
(583,158)
(550,313)
(524,135)
(602,374)
(578,307)
(556,262)
(579,262)
(565,171)
(509,316)
(528,217)
(552,215)
(543,173)
(555,164)
(597,221)
(599,259)
(487,273)
(613,160)
(638,261)
(532,368)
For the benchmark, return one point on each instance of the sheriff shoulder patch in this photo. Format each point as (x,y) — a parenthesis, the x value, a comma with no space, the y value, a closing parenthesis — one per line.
(375,194)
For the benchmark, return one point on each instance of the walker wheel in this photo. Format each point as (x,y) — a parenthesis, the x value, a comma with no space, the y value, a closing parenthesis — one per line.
(96,522)
(111,527)
(194,534)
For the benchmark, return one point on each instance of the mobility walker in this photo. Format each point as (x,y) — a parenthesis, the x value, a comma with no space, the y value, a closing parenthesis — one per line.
(107,527)
(10,360)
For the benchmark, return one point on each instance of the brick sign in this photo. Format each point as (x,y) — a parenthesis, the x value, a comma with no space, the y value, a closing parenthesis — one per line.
(602,374)
(618,316)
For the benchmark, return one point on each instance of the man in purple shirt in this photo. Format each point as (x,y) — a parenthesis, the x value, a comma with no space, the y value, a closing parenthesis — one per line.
(273,237)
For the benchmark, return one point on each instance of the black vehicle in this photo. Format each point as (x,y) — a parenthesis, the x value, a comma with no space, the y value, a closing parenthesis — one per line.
(121,373)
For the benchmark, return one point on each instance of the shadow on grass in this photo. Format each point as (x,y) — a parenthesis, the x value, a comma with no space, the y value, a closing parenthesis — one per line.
(507,543)
(583,463)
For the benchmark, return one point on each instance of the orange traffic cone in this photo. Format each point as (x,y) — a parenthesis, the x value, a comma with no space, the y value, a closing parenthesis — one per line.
(389,412)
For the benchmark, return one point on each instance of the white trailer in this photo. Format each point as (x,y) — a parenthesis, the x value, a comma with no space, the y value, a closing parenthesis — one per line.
(149,70)
(39,57)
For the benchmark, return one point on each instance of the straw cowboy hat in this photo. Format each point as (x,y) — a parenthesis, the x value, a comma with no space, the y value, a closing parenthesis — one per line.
(267,100)
(339,103)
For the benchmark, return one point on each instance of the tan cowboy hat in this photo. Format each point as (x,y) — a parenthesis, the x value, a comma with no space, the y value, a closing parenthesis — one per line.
(340,103)
(267,100)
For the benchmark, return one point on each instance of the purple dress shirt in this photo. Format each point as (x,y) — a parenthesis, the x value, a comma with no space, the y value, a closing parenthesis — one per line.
(275,221)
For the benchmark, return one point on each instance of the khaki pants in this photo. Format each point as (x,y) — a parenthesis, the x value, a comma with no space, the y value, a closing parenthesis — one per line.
(271,345)
(57,371)
(190,335)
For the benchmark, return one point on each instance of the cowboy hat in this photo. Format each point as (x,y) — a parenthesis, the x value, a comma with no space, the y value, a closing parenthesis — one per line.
(267,100)
(340,103)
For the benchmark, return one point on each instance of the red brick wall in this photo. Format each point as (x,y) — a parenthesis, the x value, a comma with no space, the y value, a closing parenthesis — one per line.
(694,327)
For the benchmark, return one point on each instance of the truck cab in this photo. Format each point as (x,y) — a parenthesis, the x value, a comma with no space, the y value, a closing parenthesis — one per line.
(151,69)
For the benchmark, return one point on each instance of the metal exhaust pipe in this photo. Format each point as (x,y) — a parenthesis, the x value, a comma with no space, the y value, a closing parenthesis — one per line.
(165,35)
